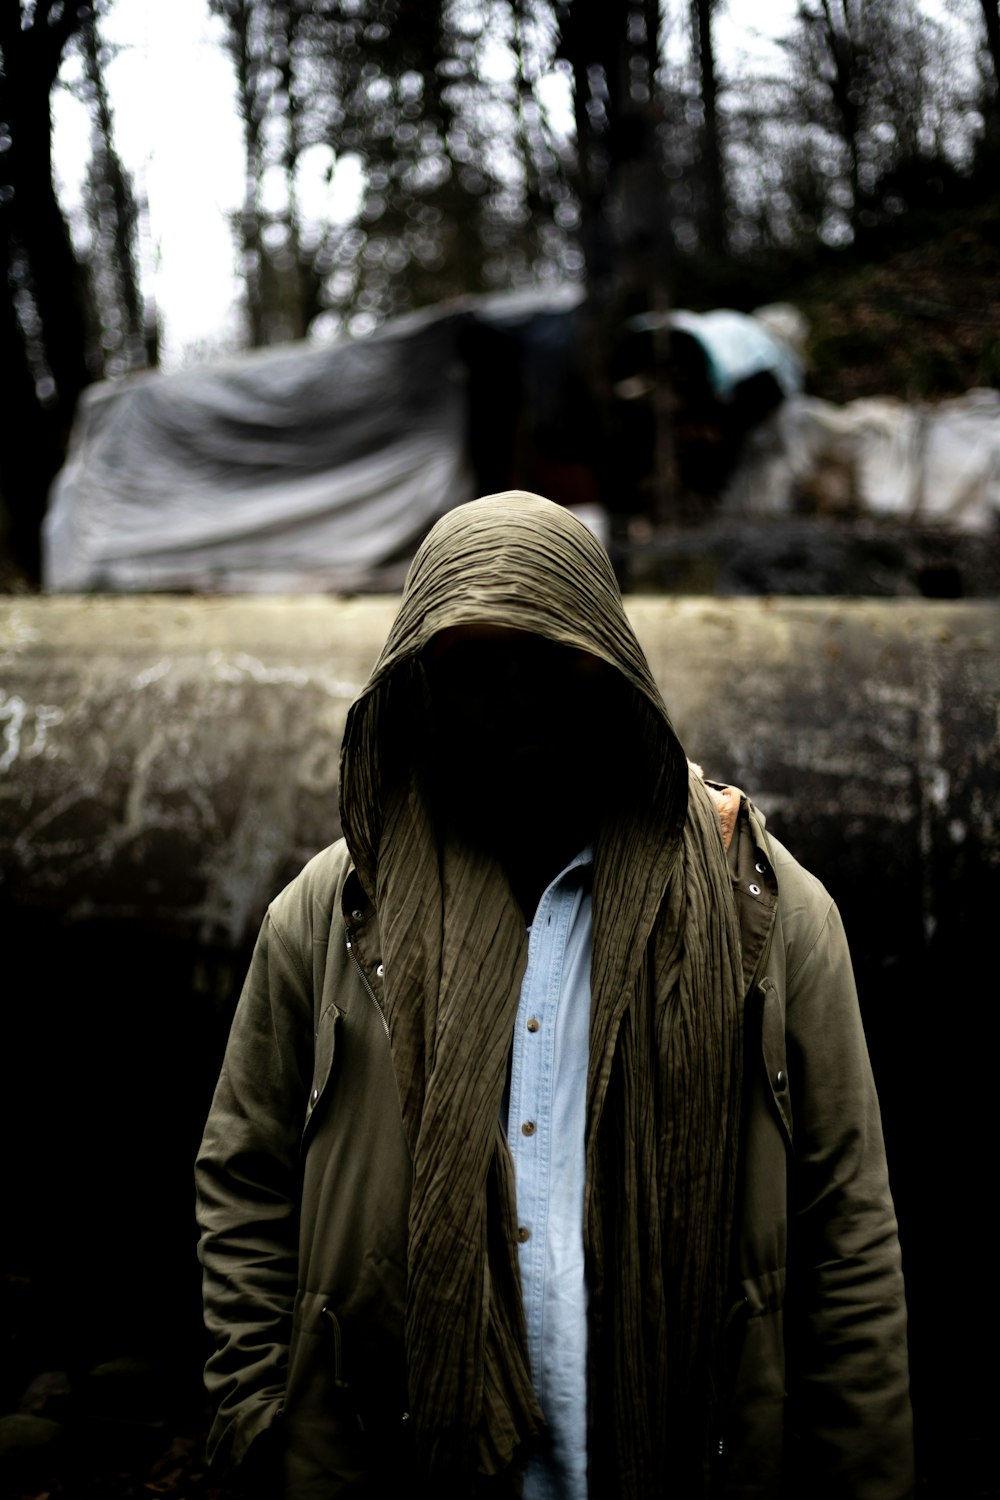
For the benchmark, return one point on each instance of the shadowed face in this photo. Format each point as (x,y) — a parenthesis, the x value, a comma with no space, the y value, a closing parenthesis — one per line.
(523,734)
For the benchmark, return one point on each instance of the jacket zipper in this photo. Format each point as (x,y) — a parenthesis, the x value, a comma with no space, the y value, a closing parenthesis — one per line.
(371,992)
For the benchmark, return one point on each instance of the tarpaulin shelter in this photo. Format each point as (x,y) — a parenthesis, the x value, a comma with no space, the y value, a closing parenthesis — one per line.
(304,467)
(320,468)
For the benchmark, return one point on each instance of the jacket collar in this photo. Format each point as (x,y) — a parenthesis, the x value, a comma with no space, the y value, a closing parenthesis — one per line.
(755,886)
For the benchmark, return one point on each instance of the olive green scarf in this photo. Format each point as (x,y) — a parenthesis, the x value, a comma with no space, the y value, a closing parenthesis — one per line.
(663,1092)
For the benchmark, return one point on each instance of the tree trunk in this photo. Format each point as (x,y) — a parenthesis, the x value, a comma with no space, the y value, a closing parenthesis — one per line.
(991,15)
(35,223)
(715,226)
(119,247)
(846,51)
(624,228)
(30,452)
(36,252)
(237,18)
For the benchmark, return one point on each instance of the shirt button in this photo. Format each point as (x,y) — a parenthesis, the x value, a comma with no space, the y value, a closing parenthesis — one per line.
(523,1234)
(528,1128)
(533,1024)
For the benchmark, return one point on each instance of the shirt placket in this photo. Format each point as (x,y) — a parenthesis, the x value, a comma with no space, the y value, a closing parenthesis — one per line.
(531,1101)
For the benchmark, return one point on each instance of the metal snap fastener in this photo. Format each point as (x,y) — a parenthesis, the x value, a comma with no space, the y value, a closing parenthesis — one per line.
(315,1095)
(528,1128)
(761,869)
(754,890)
(523,1234)
(780,1081)
(357,915)
(533,1024)
(380,970)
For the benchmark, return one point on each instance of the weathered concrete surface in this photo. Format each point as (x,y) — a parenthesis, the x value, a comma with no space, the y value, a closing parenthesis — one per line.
(165,764)
(173,761)
(170,760)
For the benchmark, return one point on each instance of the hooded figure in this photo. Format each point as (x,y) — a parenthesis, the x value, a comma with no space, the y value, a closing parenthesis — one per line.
(368,1307)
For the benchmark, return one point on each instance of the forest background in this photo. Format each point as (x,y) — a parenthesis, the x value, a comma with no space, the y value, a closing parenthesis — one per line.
(523,143)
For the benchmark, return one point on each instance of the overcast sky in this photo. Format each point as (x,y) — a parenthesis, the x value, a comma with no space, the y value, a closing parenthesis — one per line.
(184,148)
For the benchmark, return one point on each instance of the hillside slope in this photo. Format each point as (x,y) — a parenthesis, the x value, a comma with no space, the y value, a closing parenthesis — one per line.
(918,319)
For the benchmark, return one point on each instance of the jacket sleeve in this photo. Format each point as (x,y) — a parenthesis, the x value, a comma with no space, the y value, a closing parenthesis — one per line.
(246,1178)
(848,1389)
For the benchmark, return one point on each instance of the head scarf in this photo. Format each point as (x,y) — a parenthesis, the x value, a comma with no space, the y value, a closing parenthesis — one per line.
(663,1089)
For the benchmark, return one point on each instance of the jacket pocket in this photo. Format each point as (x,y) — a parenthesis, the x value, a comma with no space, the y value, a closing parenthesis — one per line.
(734,1332)
(749,1450)
(345,1420)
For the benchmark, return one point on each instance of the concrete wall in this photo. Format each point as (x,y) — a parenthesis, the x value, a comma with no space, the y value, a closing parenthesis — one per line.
(166,764)
(172,761)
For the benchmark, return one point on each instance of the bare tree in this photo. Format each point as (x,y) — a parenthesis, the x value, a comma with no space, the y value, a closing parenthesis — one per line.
(867,94)
(122,340)
(991,18)
(991,15)
(42,329)
(614,52)
(446,155)
(260,40)
(711,147)
(833,51)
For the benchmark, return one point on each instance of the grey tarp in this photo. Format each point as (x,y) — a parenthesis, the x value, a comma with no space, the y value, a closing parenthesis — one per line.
(297,468)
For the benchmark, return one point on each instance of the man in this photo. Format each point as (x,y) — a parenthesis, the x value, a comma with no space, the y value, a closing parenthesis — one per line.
(546,1157)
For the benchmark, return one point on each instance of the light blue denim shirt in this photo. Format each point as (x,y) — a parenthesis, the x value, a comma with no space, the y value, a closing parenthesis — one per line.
(545,1128)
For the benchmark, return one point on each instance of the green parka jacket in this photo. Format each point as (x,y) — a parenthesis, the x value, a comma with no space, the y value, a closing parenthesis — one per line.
(303,1181)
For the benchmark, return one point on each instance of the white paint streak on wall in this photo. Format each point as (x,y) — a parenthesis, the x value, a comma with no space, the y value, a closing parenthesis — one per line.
(16,716)
(12,716)
(15,635)
(145,759)
(241,665)
(47,716)
(32,849)
(152,674)
(235,878)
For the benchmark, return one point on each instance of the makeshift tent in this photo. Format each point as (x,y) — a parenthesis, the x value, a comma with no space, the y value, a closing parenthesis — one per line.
(321,467)
(303,467)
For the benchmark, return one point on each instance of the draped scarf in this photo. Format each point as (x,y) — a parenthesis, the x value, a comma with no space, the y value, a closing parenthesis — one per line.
(664,1081)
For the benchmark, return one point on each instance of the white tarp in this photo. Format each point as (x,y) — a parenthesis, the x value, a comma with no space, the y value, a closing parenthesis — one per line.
(296,468)
(926,464)
(304,467)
